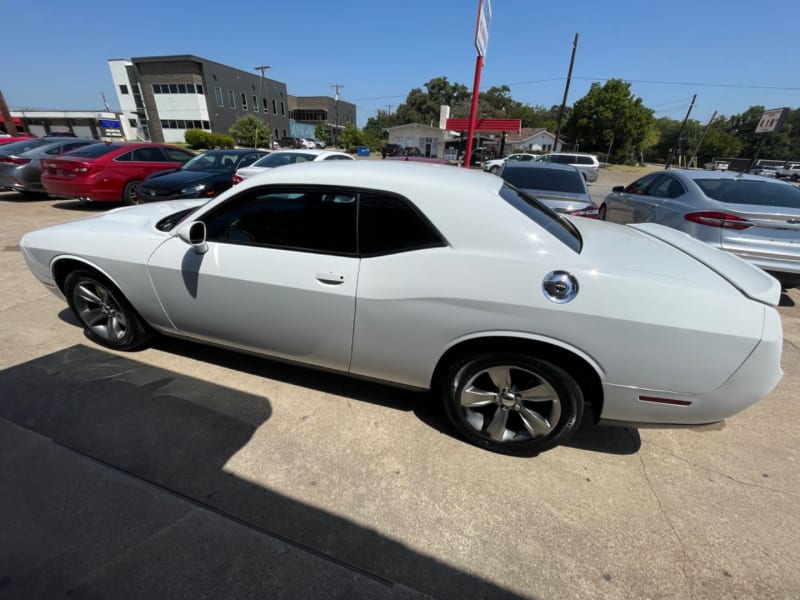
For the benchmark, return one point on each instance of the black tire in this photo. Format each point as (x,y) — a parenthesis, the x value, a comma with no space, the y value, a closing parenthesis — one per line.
(601,212)
(106,316)
(491,411)
(130,194)
(494,169)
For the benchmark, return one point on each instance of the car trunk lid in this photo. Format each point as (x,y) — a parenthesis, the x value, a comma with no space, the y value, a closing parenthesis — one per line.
(748,279)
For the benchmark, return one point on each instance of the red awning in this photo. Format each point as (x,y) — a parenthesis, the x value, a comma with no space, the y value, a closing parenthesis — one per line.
(486,124)
(17,120)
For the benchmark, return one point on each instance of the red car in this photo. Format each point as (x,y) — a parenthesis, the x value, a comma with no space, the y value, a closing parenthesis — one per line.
(109,172)
(8,139)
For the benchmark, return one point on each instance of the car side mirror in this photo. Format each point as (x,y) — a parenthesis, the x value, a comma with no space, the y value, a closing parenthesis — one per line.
(194,234)
(618,189)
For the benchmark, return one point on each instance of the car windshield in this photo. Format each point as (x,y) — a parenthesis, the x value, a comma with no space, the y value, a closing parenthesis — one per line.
(751,191)
(215,162)
(278,159)
(559,227)
(92,150)
(22,146)
(556,180)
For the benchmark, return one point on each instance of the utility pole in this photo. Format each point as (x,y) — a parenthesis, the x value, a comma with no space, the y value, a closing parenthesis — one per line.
(674,150)
(389,106)
(566,91)
(336,108)
(263,68)
(700,143)
(11,128)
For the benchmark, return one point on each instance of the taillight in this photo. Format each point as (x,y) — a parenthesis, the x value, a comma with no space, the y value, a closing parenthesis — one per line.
(718,219)
(20,161)
(5,159)
(591,212)
(83,168)
(237,179)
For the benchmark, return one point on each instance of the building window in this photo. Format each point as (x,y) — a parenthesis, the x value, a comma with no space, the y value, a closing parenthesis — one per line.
(123,89)
(283,109)
(275,109)
(206,125)
(244,101)
(156,88)
(264,103)
(133,122)
(173,88)
(255,104)
(181,88)
(218,96)
(231,99)
(199,88)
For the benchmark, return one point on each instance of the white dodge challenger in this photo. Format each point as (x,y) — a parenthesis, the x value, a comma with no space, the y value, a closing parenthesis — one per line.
(437,278)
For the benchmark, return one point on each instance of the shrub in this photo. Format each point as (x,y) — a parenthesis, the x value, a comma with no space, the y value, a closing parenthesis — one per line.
(197,138)
(221,141)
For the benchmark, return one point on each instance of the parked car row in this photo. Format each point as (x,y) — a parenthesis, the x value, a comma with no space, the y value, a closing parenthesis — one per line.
(587,164)
(287,157)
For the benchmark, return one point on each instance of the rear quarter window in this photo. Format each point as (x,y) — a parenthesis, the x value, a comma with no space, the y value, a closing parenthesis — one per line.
(549,220)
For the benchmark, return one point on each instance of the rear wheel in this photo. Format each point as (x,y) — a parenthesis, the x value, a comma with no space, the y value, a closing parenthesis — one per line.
(107,317)
(601,213)
(512,403)
(494,169)
(130,194)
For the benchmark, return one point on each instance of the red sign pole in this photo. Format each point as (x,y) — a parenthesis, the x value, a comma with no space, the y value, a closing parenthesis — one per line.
(473,109)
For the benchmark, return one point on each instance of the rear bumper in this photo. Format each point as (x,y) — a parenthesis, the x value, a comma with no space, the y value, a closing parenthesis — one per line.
(756,377)
(74,189)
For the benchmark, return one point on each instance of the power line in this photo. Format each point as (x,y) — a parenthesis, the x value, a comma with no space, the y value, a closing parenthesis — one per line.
(697,83)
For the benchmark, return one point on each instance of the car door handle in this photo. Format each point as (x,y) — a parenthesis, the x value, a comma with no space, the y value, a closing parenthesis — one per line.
(329,277)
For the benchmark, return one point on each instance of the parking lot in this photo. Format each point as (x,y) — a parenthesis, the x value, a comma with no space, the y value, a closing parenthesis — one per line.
(188,471)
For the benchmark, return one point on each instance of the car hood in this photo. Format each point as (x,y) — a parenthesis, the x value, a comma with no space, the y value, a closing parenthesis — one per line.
(180,179)
(648,250)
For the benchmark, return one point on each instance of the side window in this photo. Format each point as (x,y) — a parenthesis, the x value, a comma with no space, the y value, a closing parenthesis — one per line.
(148,155)
(125,157)
(641,186)
(338,157)
(585,160)
(248,159)
(666,187)
(177,155)
(387,224)
(294,219)
(566,159)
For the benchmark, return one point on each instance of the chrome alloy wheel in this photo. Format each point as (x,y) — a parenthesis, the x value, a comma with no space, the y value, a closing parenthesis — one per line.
(508,403)
(99,311)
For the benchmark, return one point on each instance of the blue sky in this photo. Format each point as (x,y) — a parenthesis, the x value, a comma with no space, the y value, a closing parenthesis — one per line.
(731,54)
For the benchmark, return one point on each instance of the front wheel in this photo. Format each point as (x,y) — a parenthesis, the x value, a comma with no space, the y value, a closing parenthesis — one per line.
(130,195)
(601,213)
(105,314)
(494,169)
(512,403)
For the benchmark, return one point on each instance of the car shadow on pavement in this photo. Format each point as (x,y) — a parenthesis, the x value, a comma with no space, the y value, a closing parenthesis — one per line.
(786,299)
(429,410)
(23,198)
(77,205)
(157,437)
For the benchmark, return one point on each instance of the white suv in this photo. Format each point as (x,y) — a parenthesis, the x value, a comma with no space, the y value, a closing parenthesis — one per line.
(585,163)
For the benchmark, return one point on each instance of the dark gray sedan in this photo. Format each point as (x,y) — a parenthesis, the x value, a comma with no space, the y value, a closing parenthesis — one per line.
(755,218)
(20,168)
(560,187)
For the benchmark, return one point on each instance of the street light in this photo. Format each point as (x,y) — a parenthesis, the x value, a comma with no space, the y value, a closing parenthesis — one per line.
(263,68)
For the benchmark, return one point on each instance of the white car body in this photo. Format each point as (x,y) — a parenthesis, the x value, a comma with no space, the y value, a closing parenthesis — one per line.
(672,332)
(493,166)
(310,155)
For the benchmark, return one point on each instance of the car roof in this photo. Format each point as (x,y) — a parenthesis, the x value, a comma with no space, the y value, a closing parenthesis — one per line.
(692,174)
(234,151)
(540,165)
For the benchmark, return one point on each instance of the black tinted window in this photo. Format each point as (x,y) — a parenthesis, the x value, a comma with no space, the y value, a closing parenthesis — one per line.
(666,187)
(641,186)
(748,191)
(546,218)
(148,155)
(93,150)
(296,219)
(552,179)
(177,155)
(388,224)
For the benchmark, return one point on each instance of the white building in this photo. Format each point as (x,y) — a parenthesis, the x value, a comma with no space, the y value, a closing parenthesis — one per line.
(532,139)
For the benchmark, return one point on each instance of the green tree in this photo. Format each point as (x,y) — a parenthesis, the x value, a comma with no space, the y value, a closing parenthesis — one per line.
(423,106)
(609,119)
(351,137)
(376,126)
(250,132)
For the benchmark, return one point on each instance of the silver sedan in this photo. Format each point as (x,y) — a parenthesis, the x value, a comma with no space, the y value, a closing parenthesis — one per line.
(755,218)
